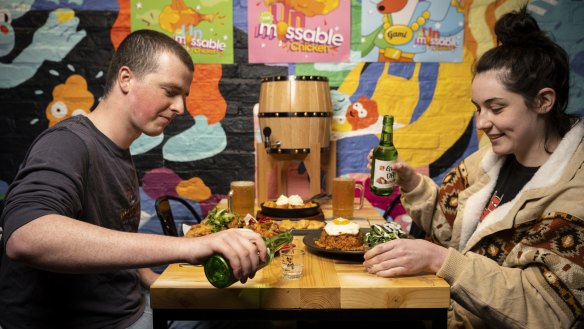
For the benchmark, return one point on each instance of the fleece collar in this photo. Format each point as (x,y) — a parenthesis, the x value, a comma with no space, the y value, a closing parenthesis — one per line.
(547,175)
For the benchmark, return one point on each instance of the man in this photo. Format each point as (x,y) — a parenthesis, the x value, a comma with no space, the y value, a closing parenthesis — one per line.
(70,247)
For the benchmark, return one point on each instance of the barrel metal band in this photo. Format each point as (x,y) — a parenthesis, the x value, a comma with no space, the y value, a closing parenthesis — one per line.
(295,77)
(295,114)
(294,151)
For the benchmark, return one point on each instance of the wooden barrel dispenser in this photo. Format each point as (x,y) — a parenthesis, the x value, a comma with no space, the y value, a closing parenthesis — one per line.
(294,112)
(295,116)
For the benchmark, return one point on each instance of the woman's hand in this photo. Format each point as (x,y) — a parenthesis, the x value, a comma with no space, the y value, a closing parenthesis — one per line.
(407,178)
(243,248)
(404,257)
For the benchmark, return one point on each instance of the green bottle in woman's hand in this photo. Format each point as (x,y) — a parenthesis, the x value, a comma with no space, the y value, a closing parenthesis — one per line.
(384,156)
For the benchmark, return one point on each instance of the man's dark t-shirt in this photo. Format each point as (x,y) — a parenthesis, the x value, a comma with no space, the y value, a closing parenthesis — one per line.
(73,170)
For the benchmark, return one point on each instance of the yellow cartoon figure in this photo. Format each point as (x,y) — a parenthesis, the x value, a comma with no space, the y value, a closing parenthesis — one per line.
(69,99)
(309,8)
(408,28)
(178,14)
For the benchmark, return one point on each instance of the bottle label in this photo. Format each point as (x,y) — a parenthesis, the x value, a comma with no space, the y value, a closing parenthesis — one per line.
(383,175)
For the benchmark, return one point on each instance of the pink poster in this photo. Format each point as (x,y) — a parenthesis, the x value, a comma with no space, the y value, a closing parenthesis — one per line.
(289,31)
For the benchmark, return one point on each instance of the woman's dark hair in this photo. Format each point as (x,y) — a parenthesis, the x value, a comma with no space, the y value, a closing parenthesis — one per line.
(140,51)
(528,61)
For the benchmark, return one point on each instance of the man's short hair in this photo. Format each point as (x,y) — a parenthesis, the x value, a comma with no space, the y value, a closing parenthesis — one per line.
(140,51)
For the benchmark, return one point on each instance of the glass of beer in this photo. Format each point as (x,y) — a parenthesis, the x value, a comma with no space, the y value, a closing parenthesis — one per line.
(344,197)
(242,198)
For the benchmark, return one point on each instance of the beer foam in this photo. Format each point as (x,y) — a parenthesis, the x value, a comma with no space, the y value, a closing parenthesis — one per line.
(242,183)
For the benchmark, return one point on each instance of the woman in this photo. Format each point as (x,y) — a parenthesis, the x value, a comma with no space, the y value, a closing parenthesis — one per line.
(507,224)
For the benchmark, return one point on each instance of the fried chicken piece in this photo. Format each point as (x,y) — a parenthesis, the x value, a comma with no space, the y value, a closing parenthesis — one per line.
(315,224)
(285,225)
(200,229)
(301,224)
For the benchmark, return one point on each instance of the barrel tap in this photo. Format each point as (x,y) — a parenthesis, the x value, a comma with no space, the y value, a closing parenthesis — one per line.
(267,143)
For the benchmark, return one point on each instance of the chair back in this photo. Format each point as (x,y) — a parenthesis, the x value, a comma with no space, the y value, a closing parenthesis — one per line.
(415,231)
(164,213)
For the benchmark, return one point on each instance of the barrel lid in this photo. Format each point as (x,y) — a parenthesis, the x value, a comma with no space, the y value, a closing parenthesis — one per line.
(294,77)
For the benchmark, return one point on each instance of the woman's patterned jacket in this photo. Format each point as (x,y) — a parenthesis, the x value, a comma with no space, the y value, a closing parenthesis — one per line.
(523,265)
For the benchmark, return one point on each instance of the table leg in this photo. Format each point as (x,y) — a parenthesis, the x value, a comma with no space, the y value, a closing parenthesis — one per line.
(159,321)
(440,321)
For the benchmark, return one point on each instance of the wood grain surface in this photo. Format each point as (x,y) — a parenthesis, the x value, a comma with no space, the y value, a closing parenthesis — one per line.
(327,283)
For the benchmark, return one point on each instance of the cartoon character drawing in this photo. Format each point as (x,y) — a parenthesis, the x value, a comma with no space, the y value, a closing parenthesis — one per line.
(408,27)
(308,7)
(53,41)
(69,99)
(178,14)
(340,103)
(362,113)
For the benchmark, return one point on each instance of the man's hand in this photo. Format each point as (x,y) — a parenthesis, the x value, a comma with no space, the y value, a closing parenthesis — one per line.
(243,248)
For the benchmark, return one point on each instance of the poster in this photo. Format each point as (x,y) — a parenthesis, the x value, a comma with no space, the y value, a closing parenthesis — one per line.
(203,27)
(286,31)
(412,31)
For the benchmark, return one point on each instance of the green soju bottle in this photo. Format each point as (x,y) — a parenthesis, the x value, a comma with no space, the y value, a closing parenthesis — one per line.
(219,272)
(385,154)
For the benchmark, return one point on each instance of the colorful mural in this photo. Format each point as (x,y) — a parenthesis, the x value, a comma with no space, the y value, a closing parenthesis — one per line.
(51,42)
(299,32)
(434,126)
(412,30)
(204,28)
(69,99)
(54,55)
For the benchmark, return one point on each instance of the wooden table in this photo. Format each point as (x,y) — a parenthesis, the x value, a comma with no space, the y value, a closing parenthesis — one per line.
(330,289)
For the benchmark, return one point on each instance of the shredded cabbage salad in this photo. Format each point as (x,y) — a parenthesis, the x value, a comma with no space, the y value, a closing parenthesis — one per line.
(382,233)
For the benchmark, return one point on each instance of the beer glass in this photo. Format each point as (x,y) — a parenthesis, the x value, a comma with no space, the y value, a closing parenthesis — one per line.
(241,198)
(344,197)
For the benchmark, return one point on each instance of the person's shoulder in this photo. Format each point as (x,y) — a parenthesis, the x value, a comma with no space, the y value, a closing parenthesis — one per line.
(576,136)
(63,130)
(74,124)
(70,136)
(79,126)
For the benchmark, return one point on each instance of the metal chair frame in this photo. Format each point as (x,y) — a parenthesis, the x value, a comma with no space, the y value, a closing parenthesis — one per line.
(164,213)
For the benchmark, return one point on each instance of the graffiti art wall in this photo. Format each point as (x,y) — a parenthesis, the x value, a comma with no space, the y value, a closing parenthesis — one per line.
(54,56)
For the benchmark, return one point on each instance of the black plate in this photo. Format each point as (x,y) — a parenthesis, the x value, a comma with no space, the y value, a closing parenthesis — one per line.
(305,231)
(311,237)
(291,212)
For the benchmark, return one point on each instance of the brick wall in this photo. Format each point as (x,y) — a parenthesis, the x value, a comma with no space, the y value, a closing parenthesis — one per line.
(23,106)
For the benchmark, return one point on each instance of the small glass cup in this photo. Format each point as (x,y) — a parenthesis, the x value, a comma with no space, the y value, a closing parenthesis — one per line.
(292,263)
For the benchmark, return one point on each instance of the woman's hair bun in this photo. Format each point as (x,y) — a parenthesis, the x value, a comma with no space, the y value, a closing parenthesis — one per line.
(517,27)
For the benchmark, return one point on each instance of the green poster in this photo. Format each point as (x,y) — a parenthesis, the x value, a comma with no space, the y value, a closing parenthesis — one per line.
(203,27)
